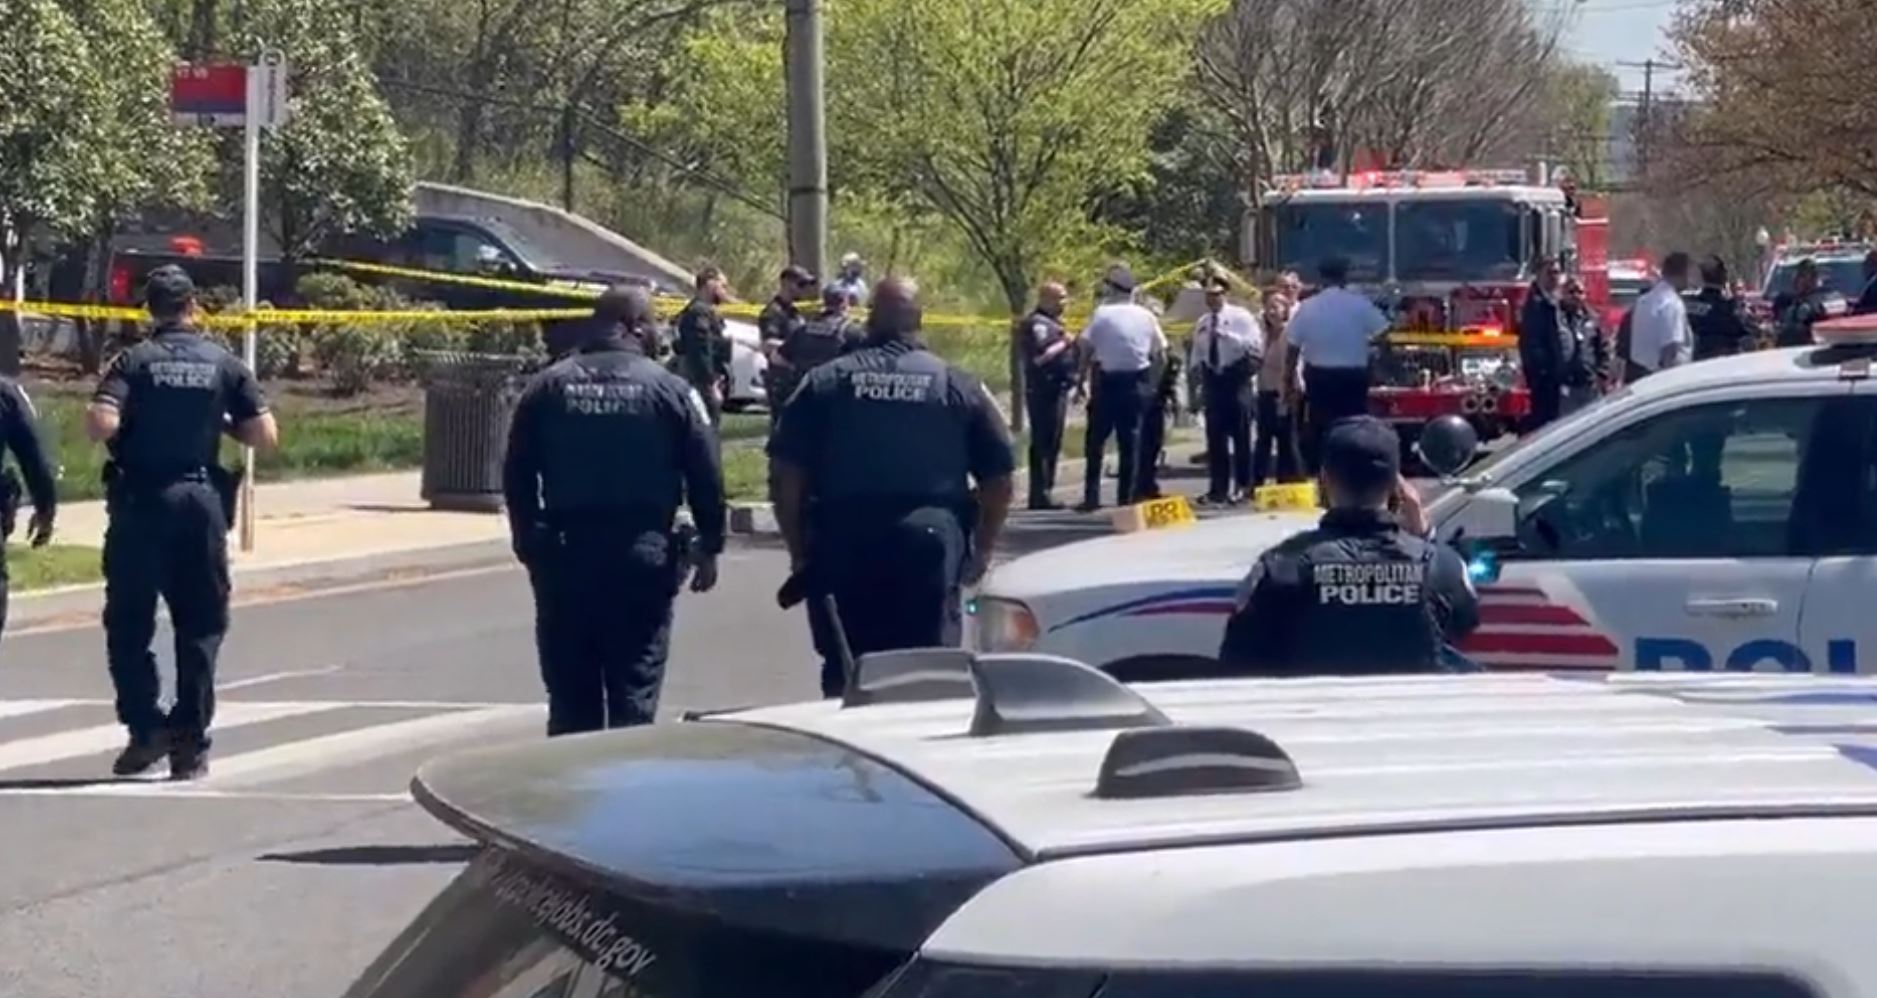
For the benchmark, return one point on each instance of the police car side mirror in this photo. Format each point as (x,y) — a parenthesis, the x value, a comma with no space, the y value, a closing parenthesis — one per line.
(1447,445)
(1488,515)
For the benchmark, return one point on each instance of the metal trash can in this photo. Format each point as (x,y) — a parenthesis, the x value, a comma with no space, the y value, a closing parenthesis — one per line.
(469,399)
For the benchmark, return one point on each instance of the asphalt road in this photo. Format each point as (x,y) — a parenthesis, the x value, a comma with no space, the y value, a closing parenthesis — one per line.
(290,867)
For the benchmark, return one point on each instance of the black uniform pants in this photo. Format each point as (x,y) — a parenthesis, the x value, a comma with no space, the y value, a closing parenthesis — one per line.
(1547,402)
(603,598)
(895,581)
(1116,409)
(1228,431)
(3,589)
(169,541)
(1277,441)
(1335,393)
(1047,403)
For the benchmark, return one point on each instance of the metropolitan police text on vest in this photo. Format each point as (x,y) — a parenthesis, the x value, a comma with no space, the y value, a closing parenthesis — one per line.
(890,386)
(1358,584)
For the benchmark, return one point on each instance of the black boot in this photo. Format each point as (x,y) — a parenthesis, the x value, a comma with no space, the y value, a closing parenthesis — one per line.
(188,760)
(142,754)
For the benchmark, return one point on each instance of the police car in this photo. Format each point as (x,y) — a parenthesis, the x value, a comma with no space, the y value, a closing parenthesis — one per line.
(1027,827)
(1718,516)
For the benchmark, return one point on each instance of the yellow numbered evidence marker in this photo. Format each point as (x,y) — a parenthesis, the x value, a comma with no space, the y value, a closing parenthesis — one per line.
(1172,511)
(1285,498)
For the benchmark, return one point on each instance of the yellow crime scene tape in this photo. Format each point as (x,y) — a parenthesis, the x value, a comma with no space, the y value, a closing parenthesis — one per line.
(667,305)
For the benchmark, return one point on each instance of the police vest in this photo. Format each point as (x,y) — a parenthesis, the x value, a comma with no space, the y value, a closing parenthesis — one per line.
(895,431)
(1059,370)
(173,415)
(1365,606)
(608,434)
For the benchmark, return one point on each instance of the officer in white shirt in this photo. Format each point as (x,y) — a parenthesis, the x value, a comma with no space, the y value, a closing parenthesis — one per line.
(1228,348)
(1329,336)
(1122,341)
(1659,336)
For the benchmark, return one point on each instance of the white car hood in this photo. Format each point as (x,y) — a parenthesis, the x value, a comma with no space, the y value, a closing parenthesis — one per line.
(1207,551)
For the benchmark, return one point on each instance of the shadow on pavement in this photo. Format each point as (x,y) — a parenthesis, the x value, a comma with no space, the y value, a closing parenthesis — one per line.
(375,855)
(67,783)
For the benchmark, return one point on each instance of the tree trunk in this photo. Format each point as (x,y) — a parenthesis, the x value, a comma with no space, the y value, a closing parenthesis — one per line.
(92,333)
(1016,293)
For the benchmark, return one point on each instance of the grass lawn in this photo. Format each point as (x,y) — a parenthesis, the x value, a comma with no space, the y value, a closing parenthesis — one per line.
(319,435)
(52,565)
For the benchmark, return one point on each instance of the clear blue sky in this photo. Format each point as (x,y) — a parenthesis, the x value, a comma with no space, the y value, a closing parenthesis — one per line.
(1609,31)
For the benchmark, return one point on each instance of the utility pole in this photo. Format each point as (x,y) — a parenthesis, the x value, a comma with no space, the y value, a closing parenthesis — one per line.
(808,139)
(567,158)
(1645,109)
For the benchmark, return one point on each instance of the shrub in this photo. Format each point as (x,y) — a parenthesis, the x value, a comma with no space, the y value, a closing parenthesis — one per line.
(354,356)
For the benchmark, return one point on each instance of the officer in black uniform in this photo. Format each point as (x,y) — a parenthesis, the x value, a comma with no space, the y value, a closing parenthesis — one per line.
(702,348)
(1361,594)
(779,320)
(1719,325)
(819,340)
(162,409)
(1049,371)
(1867,298)
(875,459)
(1809,301)
(1165,400)
(19,433)
(605,446)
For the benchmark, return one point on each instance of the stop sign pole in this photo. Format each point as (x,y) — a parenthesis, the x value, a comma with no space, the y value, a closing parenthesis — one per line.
(253,97)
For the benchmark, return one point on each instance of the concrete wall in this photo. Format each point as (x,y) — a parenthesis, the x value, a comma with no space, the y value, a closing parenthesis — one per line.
(568,237)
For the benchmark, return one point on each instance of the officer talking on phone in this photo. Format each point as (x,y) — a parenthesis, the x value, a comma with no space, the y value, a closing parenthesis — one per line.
(874,463)
(604,447)
(161,410)
(19,433)
(1365,593)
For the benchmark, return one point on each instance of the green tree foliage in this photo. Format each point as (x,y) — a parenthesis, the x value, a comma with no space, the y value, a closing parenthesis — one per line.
(340,165)
(54,163)
(1004,116)
(1577,101)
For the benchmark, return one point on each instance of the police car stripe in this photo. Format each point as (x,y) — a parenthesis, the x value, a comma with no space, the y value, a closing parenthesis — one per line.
(1224,594)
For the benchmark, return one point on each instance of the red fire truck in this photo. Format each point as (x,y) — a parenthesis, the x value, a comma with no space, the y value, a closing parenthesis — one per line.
(1449,256)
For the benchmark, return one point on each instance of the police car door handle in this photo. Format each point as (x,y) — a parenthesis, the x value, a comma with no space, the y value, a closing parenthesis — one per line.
(1733,607)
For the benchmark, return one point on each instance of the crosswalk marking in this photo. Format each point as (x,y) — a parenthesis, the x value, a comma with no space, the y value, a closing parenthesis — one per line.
(105,737)
(327,751)
(39,760)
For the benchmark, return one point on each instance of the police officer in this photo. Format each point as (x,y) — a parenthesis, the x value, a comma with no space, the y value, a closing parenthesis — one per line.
(817,341)
(1329,337)
(1364,593)
(875,459)
(1809,301)
(161,410)
(19,433)
(703,349)
(604,447)
(1165,400)
(1720,327)
(1048,373)
(779,320)
(1122,346)
(1867,298)
(1544,343)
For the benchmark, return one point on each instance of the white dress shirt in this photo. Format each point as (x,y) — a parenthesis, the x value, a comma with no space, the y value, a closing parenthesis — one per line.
(1334,328)
(1660,321)
(1239,334)
(1122,336)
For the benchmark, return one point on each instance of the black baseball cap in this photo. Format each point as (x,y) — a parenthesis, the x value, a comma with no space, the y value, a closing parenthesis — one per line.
(1362,453)
(798,274)
(168,290)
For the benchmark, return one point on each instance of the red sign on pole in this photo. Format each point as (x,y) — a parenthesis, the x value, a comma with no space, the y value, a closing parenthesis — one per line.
(213,95)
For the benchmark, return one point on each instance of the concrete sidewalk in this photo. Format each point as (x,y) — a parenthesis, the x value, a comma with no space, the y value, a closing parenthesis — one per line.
(322,520)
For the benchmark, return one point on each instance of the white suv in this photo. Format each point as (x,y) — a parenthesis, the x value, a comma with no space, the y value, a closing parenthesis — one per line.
(1027,827)
(1719,516)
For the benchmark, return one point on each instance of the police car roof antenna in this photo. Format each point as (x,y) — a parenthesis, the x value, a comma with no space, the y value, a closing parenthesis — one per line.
(849,668)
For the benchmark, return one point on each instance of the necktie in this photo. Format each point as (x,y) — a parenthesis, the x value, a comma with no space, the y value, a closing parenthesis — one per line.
(1212,342)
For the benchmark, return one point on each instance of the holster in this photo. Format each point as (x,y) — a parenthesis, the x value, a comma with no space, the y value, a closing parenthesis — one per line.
(11,493)
(227,486)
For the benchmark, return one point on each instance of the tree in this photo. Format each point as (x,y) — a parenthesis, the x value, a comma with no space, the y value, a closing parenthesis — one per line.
(1006,116)
(152,162)
(1577,100)
(53,162)
(340,165)
(1779,83)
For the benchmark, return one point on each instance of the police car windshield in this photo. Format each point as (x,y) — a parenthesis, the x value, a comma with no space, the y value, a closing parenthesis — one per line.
(1844,275)
(1307,234)
(1457,240)
(1570,424)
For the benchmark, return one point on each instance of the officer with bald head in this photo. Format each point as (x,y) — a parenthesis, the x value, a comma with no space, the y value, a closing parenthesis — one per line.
(893,479)
(1048,372)
(605,446)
